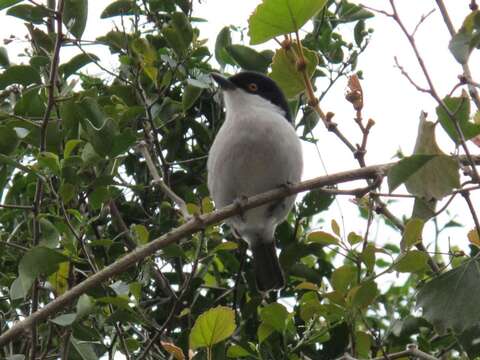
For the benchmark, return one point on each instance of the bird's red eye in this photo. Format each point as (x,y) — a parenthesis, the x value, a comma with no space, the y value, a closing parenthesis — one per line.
(252,87)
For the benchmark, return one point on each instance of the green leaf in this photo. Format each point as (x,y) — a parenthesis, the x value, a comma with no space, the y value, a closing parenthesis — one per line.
(285,72)
(368,256)
(412,262)
(76,63)
(70,146)
(450,301)
(343,278)
(364,294)
(277,17)
(275,315)
(459,107)
(223,40)
(412,233)
(85,350)
(4,61)
(190,96)
(351,12)
(38,261)
(75,16)
(212,327)
(8,140)
(263,332)
(29,13)
(7,3)
(247,58)
(119,8)
(401,171)
(49,161)
(323,238)
(354,238)
(59,279)
(460,47)
(98,196)
(64,319)
(236,351)
(141,234)
(179,33)
(102,139)
(19,74)
(314,202)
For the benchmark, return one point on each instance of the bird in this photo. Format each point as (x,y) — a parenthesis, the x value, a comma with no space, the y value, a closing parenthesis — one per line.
(255,150)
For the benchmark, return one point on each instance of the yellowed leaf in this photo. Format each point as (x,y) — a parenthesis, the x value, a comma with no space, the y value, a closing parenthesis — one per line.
(173,350)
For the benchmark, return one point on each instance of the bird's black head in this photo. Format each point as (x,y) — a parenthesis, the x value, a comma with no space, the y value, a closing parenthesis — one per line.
(257,84)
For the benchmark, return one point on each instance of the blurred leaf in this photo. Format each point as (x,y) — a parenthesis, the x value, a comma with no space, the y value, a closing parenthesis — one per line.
(141,234)
(64,319)
(247,58)
(179,33)
(363,342)
(98,196)
(19,74)
(277,17)
(84,349)
(213,326)
(285,72)
(119,8)
(263,332)
(351,12)
(343,278)
(469,341)
(412,233)
(190,96)
(223,40)
(424,209)
(38,260)
(450,301)
(354,238)
(59,279)
(323,238)
(75,16)
(401,171)
(459,108)
(7,3)
(76,63)
(8,140)
(314,202)
(364,294)
(236,351)
(412,262)
(173,350)
(275,315)
(368,256)
(473,237)
(4,61)
(29,13)
(49,161)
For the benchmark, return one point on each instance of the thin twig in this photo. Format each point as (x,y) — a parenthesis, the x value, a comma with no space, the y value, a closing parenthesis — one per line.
(158,181)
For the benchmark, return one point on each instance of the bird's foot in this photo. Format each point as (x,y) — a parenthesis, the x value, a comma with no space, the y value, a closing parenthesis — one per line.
(286,186)
(240,204)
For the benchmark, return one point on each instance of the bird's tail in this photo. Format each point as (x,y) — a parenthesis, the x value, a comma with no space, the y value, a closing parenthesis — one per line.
(268,273)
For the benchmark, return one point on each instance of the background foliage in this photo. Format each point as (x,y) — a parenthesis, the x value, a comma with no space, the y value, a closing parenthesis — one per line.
(77,194)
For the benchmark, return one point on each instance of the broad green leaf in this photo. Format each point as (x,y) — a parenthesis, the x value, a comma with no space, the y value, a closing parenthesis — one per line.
(424,209)
(84,349)
(277,17)
(34,14)
(38,261)
(98,196)
(468,339)
(412,233)
(50,234)
(19,74)
(119,8)
(102,138)
(76,63)
(450,301)
(7,3)
(364,294)
(275,315)
(4,61)
(59,279)
(335,227)
(354,238)
(49,161)
(363,342)
(148,55)
(351,12)
(179,33)
(190,96)
(247,58)
(412,262)
(64,319)
(223,40)
(263,332)
(459,108)
(314,202)
(212,327)
(323,238)
(310,306)
(75,16)
(8,140)
(30,104)
(368,256)
(460,46)
(70,147)
(141,234)
(343,278)
(401,171)
(236,351)
(226,246)
(285,72)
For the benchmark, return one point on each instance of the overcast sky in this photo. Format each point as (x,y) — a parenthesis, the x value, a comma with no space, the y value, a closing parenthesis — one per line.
(389,99)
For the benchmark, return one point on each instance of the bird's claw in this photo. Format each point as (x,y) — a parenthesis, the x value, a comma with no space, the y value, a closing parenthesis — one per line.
(240,204)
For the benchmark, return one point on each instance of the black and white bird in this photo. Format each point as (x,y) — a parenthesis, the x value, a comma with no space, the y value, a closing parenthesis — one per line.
(255,150)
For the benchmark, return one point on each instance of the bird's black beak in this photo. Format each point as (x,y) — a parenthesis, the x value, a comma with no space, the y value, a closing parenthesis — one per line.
(223,82)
